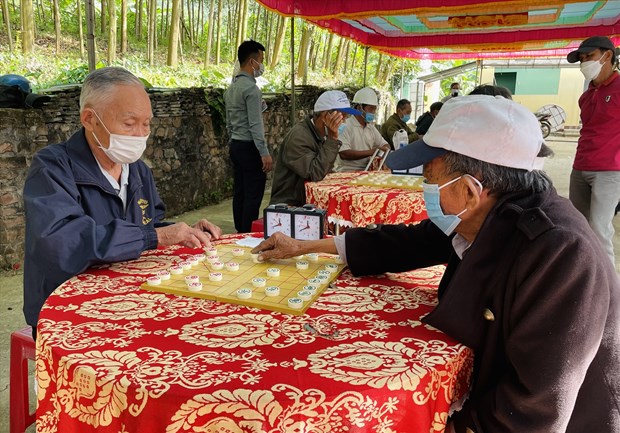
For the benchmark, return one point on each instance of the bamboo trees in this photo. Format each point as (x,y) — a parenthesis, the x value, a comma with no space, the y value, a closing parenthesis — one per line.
(112,31)
(279,41)
(27,16)
(7,22)
(210,33)
(175,25)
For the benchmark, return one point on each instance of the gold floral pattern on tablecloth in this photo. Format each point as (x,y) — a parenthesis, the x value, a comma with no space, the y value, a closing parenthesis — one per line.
(359,205)
(245,410)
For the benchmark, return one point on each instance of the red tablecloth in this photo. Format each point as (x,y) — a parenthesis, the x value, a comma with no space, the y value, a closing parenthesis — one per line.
(112,357)
(357,206)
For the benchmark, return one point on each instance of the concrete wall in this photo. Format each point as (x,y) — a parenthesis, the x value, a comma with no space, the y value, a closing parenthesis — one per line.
(187,150)
(571,86)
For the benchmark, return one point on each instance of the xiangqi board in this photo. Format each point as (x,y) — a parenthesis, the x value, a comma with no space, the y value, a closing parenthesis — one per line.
(229,273)
(387,180)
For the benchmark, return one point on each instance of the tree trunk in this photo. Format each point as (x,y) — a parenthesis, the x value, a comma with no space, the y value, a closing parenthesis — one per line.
(7,22)
(165,20)
(104,14)
(57,25)
(41,10)
(210,33)
(346,57)
(379,64)
(190,20)
(123,27)
(354,58)
(173,41)
(259,9)
(138,22)
(218,32)
(112,32)
(268,40)
(339,57)
(244,21)
(279,41)
(328,51)
(302,63)
(27,26)
(151,35)
(81,28)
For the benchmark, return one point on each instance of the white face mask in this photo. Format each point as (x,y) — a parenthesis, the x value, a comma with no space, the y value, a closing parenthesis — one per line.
(123,149)
(592,68)
(260,71)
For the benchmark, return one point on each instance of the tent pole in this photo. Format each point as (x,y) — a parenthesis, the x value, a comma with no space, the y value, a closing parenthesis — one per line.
(292,71)
(365,63)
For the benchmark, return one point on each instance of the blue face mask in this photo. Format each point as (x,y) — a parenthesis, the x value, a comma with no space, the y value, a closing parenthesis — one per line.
(369,117)
(341,128)
(446,223)
(406,118)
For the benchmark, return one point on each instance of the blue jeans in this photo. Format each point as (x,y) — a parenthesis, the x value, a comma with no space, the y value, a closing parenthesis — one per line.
(596,194)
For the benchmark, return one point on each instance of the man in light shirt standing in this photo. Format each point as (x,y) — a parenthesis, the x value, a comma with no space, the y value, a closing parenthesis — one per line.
(248,149)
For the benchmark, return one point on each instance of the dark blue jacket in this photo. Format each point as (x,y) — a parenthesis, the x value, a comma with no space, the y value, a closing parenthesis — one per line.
(75,219)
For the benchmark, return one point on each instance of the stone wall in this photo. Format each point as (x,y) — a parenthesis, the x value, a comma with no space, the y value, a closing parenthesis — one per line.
(187,150)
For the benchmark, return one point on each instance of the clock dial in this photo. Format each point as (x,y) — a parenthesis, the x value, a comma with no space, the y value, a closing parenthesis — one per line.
(277,222)
(307,227)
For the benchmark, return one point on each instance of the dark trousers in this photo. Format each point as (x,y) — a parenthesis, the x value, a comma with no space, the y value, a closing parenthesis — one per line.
(249,183)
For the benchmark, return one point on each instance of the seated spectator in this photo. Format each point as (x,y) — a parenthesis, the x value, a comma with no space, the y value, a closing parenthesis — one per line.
(90,200)
(360,137)
(398,121)
(310,148)
(425,120)
(488,89)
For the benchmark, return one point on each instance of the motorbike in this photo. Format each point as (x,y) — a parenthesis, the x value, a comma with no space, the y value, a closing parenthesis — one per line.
(545,125)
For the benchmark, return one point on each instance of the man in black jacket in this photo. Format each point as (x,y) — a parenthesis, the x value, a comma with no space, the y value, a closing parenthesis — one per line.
(527,284)
(426,120)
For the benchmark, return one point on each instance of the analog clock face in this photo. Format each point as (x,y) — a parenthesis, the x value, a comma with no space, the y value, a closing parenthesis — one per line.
(307,227)
(277,222)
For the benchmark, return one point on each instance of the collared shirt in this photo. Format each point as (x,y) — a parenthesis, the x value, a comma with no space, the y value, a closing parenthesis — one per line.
(598,148)
(120,188)
(244,118)
(358,137)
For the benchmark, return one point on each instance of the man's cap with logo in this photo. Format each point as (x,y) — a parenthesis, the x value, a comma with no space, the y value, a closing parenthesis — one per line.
(334,100)
(590,45)
(487,128)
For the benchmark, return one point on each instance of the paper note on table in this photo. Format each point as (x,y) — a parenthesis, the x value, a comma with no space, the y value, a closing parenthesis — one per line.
(249,242)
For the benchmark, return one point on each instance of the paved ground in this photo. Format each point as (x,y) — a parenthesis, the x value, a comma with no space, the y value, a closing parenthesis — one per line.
(11,317)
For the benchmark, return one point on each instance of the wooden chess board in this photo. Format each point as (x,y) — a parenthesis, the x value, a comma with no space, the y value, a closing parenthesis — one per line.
(388,180)
(321,270)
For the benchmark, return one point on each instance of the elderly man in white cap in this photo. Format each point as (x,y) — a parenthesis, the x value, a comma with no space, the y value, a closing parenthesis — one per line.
(310,148)
(527,284)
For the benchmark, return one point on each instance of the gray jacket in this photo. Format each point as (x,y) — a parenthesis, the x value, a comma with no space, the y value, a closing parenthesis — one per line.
(304,155)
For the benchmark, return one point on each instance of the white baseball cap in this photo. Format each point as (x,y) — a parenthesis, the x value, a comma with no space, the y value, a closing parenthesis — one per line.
(334,100)
(487,128)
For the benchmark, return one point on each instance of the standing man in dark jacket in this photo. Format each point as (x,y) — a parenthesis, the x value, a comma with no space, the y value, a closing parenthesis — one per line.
(527,284)
(90,200)
(310,148)
(248,148)
(398,121)
(426,120)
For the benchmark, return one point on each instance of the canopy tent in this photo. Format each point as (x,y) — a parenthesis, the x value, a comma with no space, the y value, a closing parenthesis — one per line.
(461,29)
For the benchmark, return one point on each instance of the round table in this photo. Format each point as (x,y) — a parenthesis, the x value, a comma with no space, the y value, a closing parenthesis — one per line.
(112,357)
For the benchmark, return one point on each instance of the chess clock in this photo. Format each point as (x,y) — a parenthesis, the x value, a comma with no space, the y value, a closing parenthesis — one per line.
(278,218)
(309,223)
(306,223)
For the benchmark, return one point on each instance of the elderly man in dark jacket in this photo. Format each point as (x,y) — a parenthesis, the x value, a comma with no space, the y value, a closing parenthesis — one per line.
(527,284)
(310,148)
(398,121)
(90,200)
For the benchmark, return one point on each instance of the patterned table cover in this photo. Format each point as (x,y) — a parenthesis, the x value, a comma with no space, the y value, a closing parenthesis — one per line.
(350,205)
(112,357)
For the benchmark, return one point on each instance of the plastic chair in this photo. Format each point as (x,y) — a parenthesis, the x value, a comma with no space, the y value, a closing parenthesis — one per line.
(22,349)
(258,226)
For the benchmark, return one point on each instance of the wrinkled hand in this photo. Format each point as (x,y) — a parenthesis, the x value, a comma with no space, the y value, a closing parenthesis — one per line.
(278,246)
(333,121)
(207,226)
(182,234)
(267,163)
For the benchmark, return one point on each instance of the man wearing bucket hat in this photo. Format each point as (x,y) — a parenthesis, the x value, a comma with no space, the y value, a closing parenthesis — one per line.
(527,285)
(595,178)
(310,148)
